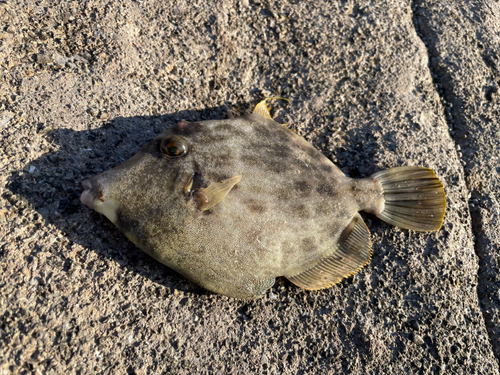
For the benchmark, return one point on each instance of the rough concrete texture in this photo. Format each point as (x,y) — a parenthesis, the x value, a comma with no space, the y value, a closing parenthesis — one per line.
(373,84)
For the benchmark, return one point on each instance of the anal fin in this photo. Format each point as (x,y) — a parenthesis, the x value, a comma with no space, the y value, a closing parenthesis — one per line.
(353,252)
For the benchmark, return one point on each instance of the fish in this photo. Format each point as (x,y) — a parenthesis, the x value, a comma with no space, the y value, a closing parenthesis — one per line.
(232,204)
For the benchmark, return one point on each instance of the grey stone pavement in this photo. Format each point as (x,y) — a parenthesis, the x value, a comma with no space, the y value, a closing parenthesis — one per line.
(372,84)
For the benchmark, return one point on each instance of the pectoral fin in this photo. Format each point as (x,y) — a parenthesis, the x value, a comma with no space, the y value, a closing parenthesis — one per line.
(215,193)
(352,253)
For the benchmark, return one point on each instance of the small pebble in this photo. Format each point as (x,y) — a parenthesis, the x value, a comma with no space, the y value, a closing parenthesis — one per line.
(43,58)
(418,340)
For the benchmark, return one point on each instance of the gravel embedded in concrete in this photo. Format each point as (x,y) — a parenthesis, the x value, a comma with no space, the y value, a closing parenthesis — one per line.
(84,84)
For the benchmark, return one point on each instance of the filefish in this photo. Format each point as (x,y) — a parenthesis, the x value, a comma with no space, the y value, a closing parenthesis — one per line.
(232,204)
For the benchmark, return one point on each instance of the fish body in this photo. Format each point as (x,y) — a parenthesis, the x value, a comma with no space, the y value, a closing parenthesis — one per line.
(232,204)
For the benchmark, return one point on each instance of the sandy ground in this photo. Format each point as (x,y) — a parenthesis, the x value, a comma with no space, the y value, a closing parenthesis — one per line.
(372,84)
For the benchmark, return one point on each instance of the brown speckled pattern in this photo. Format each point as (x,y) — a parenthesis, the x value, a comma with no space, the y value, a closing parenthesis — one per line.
(285,215)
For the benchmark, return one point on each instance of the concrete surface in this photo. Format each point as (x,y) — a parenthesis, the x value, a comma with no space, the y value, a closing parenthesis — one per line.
(373,84)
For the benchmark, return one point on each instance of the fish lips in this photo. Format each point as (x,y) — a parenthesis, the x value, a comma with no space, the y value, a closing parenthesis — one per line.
(94,197)
(90,193)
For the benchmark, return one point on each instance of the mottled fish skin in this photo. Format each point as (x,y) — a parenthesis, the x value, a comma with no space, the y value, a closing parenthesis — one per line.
(288,210)
(284,209)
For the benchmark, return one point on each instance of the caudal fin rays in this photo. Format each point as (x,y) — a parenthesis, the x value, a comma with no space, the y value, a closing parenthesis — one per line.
(414,198)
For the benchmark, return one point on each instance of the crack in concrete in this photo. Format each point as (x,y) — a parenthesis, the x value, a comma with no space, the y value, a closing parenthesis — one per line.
(458,133)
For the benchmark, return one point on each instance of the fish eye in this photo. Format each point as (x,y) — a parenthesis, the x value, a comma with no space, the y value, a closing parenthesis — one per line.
(173,145)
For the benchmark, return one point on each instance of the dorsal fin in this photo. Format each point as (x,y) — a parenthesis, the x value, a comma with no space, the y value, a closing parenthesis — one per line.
(353,252)
(262,108)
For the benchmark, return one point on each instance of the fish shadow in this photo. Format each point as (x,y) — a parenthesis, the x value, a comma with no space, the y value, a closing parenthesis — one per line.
(51,186)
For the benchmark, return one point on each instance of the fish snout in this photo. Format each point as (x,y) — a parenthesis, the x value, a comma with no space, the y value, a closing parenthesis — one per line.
(94,196)
(91,192)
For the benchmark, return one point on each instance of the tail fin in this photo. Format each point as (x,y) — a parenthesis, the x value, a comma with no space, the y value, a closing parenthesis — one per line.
(414,198)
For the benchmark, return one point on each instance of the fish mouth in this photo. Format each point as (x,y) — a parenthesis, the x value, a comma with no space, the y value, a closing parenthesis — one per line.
(94,197)
(89,194)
